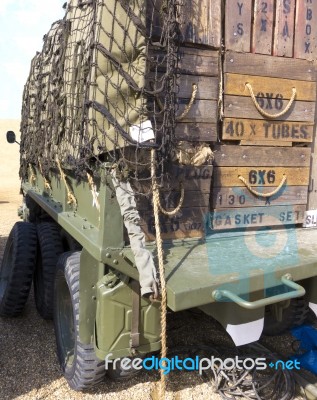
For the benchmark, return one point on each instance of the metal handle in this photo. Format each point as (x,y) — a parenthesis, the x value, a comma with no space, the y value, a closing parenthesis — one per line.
(251,305)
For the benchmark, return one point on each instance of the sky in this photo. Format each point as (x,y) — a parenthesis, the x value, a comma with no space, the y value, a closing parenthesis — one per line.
(23,23)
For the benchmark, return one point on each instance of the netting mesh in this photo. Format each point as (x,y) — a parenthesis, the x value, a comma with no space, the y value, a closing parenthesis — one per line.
(103,88)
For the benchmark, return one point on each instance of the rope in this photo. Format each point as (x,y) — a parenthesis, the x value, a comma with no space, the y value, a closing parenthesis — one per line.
(94,192)
(32,178)
(176,210)
(70,197)
(190,104)
(265,195)
(46,182)
(264,113)
(159,244)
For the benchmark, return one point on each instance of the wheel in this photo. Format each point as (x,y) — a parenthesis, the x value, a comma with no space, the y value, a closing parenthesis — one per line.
(50,248)
(81,368)
(17,267)
(293,315)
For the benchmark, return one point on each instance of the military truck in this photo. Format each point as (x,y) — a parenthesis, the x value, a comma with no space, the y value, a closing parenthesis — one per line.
(168,157)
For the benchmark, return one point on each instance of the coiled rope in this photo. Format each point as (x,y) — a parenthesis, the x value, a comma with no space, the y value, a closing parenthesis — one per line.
(264,113)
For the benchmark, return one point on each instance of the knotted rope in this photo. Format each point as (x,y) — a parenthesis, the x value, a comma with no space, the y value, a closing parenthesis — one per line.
(190,104)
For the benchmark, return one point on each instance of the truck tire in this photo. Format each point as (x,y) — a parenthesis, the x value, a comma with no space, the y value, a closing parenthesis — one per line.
(17,268)
(294,315)
(80,366)
(50,248)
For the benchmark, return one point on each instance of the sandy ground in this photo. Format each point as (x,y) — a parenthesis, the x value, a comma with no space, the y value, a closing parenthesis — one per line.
(28,365)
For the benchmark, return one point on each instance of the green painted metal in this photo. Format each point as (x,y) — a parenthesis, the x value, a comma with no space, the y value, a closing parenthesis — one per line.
(297,291)
(114,319)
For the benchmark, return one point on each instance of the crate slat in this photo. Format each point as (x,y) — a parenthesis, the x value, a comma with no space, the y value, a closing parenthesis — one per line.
(264,14)
(251,64)
(255,217)
(231,156)
(243,107)
(306,30)
(268,87)
(284,28)
(196,132)
(224,197)
(238,16)
(277,143)
(260,176)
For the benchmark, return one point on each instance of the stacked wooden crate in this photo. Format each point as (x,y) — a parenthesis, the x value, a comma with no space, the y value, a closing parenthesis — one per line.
(263,164)
(198,65)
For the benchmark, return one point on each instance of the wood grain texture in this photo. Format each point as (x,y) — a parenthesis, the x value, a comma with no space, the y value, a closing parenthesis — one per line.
(254,130)
(227,197)
(191,61)
(196,132)
(260,176)
(284,28)
(200,22)
(190,222)
(201,110)
(256,216)
(277,143)
(306,30)
(238,16)
(170,200)
(193,179)
(268,87)
(264,15)
(231,156)
(250,64)
(243,107)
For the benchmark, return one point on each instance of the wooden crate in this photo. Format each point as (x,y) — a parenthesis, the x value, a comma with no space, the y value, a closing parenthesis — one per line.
(189,222)
(263,169)
(280,28)
(200,21)
(196,67)
(272,80)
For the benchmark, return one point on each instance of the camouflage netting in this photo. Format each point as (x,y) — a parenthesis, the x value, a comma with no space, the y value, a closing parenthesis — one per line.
(105,77)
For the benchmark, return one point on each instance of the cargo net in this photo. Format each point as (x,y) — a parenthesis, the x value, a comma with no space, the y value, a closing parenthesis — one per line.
(103,90)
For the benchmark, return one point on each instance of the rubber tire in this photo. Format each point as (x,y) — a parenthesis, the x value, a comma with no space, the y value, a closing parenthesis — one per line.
(18,265)
(85,370)
(50,249)
(294,315)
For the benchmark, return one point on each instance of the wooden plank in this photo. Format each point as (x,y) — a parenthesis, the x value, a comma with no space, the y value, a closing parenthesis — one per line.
(238,15)
(193,179)
(199,132)
(284,28)
(200,22)
(191,61)
(251,64)
(231,156)
(306,30)
(253,130)
(269,88)
(262,40)
(188,223)
(254,217)
(312,195)
(228,197)
(260,176)
(270,143)
(201,110)
(170,200)
(208,87)
(243,107)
